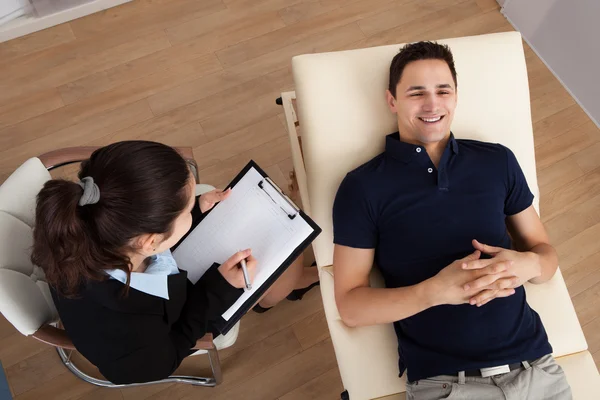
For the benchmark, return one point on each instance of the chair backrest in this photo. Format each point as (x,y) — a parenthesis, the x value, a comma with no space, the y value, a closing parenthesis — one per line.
(25,299)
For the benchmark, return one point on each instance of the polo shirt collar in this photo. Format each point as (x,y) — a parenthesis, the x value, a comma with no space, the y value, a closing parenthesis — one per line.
(406,152)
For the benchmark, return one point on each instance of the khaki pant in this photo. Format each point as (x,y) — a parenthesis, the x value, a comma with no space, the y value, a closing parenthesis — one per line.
(544,379)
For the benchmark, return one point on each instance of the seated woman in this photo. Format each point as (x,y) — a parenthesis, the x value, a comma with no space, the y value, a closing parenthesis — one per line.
(104,244)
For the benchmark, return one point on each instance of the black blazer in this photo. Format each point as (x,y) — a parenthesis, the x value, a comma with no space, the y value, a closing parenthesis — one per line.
(141,338)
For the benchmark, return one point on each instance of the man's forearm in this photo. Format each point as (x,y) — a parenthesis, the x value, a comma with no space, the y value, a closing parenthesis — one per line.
(370,306)
(547,260)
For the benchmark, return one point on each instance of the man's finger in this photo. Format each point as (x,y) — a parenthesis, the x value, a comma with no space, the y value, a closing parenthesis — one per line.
(505,283)
(473,256)
(499,294)
(487,249)
(479,264)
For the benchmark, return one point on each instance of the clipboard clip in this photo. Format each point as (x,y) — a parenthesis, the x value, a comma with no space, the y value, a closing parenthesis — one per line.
(262,186)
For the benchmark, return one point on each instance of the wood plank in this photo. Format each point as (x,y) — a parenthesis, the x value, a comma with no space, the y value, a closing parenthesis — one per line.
(335,39)
(591,330)
(74,113)
(11,50)
(226,28)
(62,387)
(31,105)
(264,44)
(570,195)
(144,392)
(102,394)
(583,275)
(403,11)
(558,174)
(201,109)
(6,329)
(257,327)
(82,133)
(81,67)
(574,221)
(304,11)
(286,376)
(325,386)
(261,5)
(550,103)
(460,20)
(16,347)
(579,247)
(233,119)
(247,138)
(558,123)
(203,64)
(588,159)
(587,304)
(312,329)
(33,371)
(143,16)
(190,92)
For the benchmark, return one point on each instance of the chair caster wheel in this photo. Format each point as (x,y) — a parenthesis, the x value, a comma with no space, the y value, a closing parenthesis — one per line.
(345,395)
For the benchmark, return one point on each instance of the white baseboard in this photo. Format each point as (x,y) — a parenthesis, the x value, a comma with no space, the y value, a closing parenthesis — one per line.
(28,24)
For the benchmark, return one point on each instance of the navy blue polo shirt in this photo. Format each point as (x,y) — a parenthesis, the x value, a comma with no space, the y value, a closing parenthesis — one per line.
(419,219)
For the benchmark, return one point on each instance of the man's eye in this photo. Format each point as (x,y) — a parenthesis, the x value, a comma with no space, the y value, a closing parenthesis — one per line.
(416,94)
(444,93)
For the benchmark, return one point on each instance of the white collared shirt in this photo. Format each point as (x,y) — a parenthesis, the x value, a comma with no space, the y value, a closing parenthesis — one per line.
(154,280)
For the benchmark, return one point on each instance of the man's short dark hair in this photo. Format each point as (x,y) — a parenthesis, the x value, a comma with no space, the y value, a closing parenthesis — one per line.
(415,52)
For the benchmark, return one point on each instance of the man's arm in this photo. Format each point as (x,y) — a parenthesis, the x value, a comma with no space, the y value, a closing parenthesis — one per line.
(529,235)
(359,304)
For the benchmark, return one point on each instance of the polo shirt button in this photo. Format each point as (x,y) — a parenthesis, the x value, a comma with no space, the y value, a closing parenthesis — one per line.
(418,149)
(430,170)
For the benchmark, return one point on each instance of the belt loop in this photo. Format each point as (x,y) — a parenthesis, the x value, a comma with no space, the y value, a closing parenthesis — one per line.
(526,365)
(461,378)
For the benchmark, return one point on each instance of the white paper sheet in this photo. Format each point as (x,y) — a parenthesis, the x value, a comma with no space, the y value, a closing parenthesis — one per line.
(248,218)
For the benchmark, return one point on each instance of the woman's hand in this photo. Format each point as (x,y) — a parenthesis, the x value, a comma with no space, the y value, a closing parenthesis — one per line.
(232,271)
(209,199)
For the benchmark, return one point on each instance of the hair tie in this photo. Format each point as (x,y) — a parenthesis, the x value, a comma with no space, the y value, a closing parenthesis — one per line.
(91,191)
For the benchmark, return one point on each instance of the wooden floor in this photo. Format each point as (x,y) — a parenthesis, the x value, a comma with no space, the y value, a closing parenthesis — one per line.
(206,74)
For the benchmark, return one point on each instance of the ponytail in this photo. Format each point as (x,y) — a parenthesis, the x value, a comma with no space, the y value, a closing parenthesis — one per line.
(143,187)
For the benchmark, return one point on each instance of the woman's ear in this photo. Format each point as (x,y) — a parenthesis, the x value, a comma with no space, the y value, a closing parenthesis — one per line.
(148,243)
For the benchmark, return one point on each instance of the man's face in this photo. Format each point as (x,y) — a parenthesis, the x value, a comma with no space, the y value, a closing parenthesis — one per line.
(425,101)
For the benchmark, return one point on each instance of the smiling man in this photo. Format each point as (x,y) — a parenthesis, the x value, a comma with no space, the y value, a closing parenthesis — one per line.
(440,217)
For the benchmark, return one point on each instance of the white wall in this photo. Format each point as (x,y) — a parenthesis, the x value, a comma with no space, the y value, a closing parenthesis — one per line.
(11,9)
(566,35)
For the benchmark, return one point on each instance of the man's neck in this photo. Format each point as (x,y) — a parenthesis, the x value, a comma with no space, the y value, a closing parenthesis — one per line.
(435,150)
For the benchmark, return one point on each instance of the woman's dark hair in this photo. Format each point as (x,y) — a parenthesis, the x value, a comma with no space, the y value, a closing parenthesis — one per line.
(415,52)
(143,188)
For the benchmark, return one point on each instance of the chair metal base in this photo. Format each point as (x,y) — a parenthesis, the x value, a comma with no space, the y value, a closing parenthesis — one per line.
(213,355)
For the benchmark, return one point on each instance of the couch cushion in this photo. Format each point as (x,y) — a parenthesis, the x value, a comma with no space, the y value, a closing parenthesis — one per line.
(553,303)
(582,375)
(18,193)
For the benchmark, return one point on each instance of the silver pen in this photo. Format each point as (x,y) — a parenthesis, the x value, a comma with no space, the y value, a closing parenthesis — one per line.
(245,272)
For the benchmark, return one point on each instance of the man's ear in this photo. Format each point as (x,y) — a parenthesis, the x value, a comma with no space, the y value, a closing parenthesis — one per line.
(391,101)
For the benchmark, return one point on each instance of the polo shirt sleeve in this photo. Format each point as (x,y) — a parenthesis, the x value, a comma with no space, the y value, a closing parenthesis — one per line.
(353,222)
(518,195)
